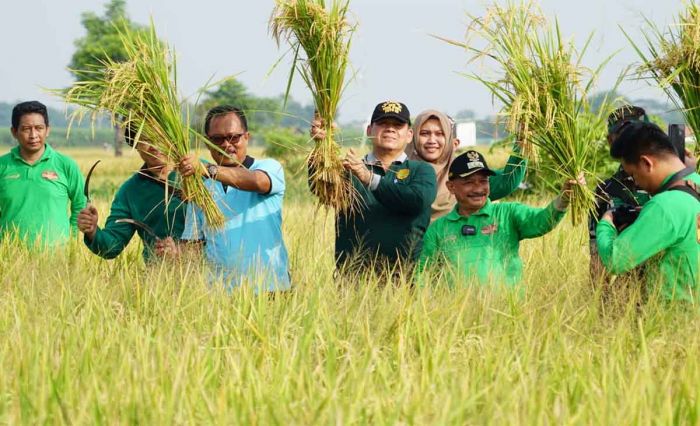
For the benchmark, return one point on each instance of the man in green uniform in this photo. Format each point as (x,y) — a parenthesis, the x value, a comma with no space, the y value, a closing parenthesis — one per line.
(618,192)
(149,196)
(479,240)
(666,235)
(386,229)
(38,185)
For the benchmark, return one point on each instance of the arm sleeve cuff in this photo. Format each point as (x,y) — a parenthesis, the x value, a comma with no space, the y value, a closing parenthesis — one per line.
(374,182)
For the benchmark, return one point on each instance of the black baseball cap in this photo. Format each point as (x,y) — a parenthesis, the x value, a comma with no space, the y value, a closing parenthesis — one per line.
(625,114)
(467,164)
(393,110)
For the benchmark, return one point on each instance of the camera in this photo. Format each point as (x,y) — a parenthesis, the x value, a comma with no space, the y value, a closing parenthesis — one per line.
(625,215)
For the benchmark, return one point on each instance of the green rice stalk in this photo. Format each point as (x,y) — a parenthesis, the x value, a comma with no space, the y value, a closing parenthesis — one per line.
(142,93)
(323,34)
(673,61)
(544,91)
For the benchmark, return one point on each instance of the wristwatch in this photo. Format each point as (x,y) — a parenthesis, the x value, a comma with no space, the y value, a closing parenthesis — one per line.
(212,170)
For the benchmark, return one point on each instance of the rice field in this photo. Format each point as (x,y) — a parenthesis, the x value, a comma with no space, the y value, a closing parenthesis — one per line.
(88,341)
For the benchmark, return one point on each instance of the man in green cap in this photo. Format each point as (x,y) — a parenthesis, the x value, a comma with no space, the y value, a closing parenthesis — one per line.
(665,238)
(479,240)
(38,185)
(149,197)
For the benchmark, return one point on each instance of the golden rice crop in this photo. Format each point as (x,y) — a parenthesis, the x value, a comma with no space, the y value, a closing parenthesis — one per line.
(544,90)
(141,92)
(323,33)
(673,61)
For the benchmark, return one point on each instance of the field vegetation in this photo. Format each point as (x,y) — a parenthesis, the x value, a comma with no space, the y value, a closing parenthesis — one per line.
(89,341)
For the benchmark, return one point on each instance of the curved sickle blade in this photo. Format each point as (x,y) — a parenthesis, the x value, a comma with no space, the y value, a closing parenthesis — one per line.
(139,224)
(86,188)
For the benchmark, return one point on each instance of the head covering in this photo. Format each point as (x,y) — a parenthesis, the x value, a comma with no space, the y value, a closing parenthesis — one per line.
(467,164)
(624,114)
(391,110)
(444,201)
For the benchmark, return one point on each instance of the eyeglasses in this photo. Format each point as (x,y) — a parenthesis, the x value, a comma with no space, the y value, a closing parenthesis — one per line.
(219,140)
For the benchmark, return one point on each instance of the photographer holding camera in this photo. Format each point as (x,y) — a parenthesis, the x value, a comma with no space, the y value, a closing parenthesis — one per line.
(665,238)
(619,193)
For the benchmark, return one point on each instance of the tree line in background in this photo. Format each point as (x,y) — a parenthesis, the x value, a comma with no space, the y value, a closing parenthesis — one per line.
(280,126)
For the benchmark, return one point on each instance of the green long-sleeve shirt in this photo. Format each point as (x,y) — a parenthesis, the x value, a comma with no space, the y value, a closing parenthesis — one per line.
(665,236)
(491,254)
(391,219)
(142,198)
(507,179)
(35,199)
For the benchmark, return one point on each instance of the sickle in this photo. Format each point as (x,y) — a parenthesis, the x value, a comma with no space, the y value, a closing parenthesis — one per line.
(147,229)
(86,188)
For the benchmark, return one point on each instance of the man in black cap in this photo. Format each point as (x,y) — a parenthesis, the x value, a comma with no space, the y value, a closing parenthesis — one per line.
(479,240)
(387,227)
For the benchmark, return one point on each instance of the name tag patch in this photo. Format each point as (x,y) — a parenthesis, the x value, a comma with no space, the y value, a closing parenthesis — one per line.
(12,176)
(49,175)
(402,174)
(489,229)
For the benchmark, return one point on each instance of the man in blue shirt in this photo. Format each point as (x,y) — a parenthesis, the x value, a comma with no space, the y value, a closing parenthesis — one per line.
(249,247)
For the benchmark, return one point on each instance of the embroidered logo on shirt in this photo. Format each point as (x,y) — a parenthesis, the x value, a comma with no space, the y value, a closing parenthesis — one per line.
(14,176)
(490,229)
(49,175)
(402,174)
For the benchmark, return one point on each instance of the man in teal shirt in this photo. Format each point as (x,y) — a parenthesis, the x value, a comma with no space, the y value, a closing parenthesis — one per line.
(479,240)
(38,185)
(150,197)
(249,249)
(666,235)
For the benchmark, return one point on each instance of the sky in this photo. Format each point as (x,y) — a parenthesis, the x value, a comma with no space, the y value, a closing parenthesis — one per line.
(393,55)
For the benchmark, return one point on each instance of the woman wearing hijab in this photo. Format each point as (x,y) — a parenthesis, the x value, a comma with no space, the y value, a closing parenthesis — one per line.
(435,143)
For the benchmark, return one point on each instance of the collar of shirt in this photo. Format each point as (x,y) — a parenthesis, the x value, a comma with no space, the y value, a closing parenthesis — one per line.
(48,154)
(454,215)
(374,161)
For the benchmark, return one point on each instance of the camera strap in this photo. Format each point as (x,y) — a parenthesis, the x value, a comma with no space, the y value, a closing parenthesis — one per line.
(676,183)
(688,187)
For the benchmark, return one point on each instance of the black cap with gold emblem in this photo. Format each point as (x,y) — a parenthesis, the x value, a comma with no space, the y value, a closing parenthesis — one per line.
(468,163)
(391,110)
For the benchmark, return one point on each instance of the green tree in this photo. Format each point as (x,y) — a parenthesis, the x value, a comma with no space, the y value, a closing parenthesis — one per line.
(100,42)
(260,111)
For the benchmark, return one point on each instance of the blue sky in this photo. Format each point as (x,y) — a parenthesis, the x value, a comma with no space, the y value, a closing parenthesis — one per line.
(393,55)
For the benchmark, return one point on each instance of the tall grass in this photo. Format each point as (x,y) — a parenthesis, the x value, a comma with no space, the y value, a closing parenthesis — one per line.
(323,33)
(88,341)
(141,92)
(544,89)
(673,61)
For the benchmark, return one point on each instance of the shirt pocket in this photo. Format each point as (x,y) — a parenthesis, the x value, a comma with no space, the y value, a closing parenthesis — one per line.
(51,184)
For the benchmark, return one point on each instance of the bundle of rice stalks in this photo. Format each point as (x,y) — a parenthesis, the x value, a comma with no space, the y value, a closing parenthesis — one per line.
(142,93)
(673,60)
(544,90)
(324,34)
